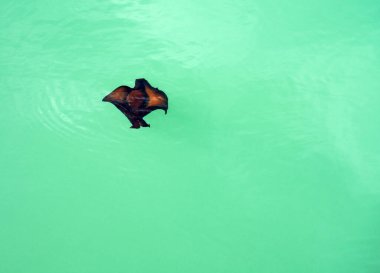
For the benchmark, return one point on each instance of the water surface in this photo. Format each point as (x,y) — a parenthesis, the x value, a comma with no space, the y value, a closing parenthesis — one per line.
(267,162)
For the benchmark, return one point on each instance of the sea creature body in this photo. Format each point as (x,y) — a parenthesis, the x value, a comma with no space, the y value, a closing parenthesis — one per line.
(137,102)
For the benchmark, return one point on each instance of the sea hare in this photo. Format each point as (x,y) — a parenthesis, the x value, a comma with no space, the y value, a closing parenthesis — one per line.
(137,102)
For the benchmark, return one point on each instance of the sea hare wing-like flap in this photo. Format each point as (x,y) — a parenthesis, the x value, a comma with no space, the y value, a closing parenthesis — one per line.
(118,94)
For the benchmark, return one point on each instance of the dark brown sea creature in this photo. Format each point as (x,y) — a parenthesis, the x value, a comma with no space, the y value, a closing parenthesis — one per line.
(137,102)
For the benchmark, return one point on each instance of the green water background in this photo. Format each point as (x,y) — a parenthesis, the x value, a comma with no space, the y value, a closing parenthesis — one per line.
(267,162)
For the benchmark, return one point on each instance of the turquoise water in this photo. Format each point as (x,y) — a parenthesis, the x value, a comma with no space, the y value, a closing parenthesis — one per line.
(267,161)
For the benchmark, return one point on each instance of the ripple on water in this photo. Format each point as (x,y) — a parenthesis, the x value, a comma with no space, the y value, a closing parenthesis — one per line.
(71,111)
